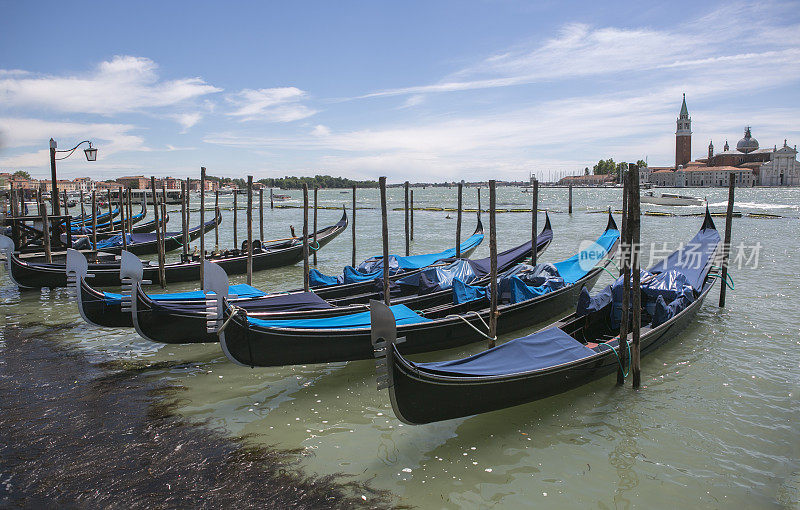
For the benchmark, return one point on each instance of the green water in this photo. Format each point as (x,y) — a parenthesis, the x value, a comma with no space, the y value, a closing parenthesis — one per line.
(714,426)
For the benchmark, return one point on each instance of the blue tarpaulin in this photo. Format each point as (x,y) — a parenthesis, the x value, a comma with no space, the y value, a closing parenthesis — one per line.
(402,315)
(241,290)
(540,350)
(372,268)
(576,267)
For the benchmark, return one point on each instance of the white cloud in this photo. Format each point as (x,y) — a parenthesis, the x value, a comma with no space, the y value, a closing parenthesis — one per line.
(187,120)
(281,104)
(580,50)
(123,84)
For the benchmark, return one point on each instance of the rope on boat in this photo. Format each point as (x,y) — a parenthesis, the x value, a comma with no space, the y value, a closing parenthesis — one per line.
(612,263)
(468,323)
(236,311)
(311,247)
(727,281)
(624,372)
(604,268)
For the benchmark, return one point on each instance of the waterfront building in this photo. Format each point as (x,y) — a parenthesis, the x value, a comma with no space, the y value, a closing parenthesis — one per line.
(750,164)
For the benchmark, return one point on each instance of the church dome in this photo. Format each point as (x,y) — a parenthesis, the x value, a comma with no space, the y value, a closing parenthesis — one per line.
(748,143)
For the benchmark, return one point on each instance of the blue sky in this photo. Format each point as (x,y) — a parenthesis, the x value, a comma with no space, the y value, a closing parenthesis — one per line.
(427,91)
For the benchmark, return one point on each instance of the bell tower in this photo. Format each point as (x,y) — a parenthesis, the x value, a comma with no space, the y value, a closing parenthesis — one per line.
(683,137)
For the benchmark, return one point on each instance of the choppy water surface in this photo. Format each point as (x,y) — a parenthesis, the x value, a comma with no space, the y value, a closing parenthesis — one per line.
(715,425)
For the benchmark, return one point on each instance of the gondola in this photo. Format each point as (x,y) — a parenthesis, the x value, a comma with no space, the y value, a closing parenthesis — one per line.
(356,282)
(574,351)
(144,244)
(164,320)
(29,274)
(255,342)
(87,219)
(139,228)
(108,225)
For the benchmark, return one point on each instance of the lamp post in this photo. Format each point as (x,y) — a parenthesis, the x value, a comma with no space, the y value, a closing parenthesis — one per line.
(91,155)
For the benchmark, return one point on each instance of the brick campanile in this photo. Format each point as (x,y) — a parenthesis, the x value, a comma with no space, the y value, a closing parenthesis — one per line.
(683,137)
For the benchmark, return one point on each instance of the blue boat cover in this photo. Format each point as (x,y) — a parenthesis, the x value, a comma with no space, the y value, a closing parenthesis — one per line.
(509,257)
(512,289)
(402,315)
(571,271)
(241,290)
(693,259)
(286,303)
(439,278)
(87,228)
(372,268)
(463,292)
(669,286)
(537,351)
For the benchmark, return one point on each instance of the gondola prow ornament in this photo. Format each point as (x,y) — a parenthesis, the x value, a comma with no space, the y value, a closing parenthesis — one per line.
(384,334)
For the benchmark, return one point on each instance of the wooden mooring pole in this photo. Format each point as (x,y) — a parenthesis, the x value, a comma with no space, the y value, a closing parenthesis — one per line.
(634,224)
(534,222)
(726,248)
(353,229)
(570,199)
(235,220)
(94,219)
(408,224)
(385,237)
(184,224)
(48,255)
(458,218)
(625,272)
(316,191)
(122,219)
(249,230)
(306,268)
(493,260)
(271,200)
(158,218)
(261,213)
(202,222)
(411,212)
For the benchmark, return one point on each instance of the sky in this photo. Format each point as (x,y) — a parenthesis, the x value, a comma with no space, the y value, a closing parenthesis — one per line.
(421,91)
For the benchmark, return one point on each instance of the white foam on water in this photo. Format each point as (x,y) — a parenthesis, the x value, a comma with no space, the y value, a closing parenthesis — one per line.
(756,205)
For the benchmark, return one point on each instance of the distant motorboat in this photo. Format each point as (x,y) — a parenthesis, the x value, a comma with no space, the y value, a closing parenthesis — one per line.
(281,197)
(671,199)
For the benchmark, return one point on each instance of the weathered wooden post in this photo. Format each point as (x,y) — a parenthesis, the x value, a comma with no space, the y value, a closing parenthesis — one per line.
(188,204)
(625,272)
(534,222)
(121,220)
(202,222)
(458,220)
(48,255)
(271,200)
(306,268)
(408,225)
(385,234)
(316,189)
(159,231)
(184,225)
(249,230)
(570,198)
(726,248)
(94,220)
(83,213)
(411,213)
(493,260)
(216,225)
(110,206)
(636,277)
(261,212)
(353,228)
(129,194)
(235,218)
(66,204)
(161,269)
(479,203)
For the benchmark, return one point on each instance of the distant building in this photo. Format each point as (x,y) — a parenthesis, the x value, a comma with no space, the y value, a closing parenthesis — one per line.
(134,182)
(587,180)
(750,165)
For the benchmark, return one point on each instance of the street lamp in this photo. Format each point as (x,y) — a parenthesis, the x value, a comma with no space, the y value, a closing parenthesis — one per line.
(91,155)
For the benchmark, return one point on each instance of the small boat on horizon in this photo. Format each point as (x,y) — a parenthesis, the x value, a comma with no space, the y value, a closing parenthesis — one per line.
(671,199)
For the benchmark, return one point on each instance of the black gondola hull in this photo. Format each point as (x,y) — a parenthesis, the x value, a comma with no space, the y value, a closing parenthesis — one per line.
(420,398)
(255,346)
